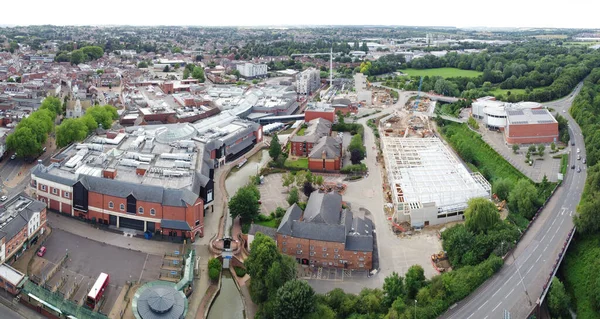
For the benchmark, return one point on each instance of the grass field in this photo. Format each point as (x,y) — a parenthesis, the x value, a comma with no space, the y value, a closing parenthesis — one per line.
(443,72)
(580,43)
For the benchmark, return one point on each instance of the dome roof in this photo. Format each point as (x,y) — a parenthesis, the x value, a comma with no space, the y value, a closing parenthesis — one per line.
(160,301)
(175,133)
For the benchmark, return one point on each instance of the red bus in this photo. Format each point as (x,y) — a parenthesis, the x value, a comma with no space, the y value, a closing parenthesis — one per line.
(97,290)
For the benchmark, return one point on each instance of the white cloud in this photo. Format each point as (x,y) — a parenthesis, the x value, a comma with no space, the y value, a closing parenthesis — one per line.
(461,13)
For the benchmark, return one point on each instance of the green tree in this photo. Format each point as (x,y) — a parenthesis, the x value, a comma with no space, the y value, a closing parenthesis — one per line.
(553,147)
(321,312)
(186,73)
(70,130)
(293,196)
(198,74)
(89,122)
(515,148)
(481,215)
(275,148)
(166,68)
(558,300)
(319,180)
(364,47)
(414,280)
(245,203)
(502,187)
(24,142)
(142,65)
(288,180)
(77,57)
(357,146)
(540,149)
(103,115)
(269,270)
(295,300)
(393,288)
(523,198)
(52,104)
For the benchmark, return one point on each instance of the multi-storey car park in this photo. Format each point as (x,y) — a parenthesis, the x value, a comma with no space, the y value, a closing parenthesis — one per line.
(428,182)
(154,178)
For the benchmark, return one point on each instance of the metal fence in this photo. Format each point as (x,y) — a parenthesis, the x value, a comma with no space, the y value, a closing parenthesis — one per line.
(66,307)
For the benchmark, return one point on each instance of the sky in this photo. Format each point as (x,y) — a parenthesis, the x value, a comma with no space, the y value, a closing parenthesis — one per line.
(457,13)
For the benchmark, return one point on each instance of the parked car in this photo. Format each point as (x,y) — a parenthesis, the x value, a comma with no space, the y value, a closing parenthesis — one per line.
(3,198)
(578,157)
(572,166)
(42,251)
(578,169)
(584,161)
(12,157)
(578,151)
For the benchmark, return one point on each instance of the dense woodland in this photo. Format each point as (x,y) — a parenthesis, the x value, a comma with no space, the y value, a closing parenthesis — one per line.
(545,71)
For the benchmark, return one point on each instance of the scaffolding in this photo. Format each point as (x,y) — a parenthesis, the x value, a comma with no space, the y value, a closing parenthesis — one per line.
(424,170)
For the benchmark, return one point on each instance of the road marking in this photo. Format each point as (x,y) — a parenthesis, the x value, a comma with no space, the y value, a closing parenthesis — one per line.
(482,305)
(486,317)
(495,293)
(551,239)
(509,293)
(554,221)
(546,248)
(470,316)
(556,231)
(528,270)
(540,256)
(498,305)
(544,236)
(536,247)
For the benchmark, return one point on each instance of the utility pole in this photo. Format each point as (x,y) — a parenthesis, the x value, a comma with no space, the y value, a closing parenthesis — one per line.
(415,308)
(522,282)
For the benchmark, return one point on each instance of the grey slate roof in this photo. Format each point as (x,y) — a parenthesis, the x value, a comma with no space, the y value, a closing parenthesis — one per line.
(255,228)
(317,231)
(323,219)
(316,129)
(323,208)
(174,224)
(13,227)
(293,213)
(39,171)
(330,146)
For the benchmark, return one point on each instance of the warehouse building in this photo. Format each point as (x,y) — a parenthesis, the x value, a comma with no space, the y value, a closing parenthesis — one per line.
(528,126)
(429,184)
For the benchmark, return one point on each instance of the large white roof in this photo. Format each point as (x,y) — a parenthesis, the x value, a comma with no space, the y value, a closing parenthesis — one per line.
(424,170)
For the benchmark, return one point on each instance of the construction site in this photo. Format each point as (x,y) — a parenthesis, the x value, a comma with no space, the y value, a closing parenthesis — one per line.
(427,184)
(420,104)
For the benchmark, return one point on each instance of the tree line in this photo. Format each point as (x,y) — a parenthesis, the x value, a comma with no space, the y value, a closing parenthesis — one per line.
(546,72)
(31,133)
(77,129)
(274,287)
(85,54)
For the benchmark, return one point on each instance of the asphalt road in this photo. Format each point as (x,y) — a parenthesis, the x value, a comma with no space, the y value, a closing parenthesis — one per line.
(520,282)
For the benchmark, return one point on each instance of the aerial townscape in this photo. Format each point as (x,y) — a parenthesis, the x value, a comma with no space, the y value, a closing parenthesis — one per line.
(302,172)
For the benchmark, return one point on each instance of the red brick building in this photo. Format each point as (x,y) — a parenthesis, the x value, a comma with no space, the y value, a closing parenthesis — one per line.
(326,235)
(530,127)
(326,155)
(317,128)
(316,113)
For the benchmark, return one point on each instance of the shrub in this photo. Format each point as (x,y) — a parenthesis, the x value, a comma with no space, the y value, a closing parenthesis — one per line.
(214,274)
(239,271)
(214,263)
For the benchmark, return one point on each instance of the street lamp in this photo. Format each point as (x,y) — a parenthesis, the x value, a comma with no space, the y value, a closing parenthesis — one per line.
(415,308)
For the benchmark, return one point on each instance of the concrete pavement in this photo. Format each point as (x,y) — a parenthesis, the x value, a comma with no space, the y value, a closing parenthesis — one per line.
(520,282)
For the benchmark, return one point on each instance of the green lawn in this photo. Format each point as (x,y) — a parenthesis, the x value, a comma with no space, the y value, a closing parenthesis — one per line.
(299,163)
(443,72)
(272,223)
(301,131)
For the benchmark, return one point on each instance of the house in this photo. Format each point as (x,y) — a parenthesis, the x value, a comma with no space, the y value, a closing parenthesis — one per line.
(317,128)
(326,155)
(326,234)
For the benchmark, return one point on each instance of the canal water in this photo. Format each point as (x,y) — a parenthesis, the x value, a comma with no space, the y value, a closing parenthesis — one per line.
(228,303)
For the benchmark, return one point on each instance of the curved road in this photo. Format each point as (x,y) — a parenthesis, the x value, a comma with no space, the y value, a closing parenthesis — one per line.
(518,285)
